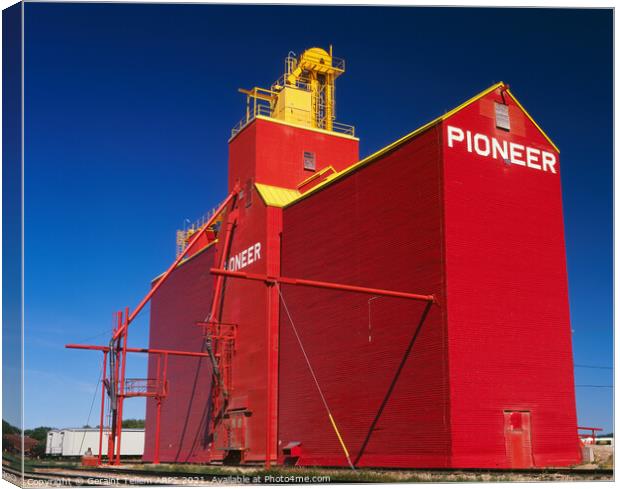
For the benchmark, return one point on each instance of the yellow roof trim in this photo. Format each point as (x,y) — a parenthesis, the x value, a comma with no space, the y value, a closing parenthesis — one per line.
(299,126)
(316,175)
(185,260)
(532,120)
(471,100)
(276,196)
(407,137)
(393,145)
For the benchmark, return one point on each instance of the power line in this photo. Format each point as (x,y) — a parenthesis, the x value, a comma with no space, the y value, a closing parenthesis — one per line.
(592,385)
(581,365)
(102,333)
(303,350)
(91,407)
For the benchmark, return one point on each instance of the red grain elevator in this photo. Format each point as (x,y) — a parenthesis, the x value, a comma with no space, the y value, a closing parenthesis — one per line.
(467,208)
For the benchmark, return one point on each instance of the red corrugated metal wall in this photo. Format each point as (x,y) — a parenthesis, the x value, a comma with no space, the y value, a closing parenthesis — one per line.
(242,156)
(184,299)
(285,145)
(269,153)
(484,236)
(509,329)
(379,227)
(272,153)
(245,304)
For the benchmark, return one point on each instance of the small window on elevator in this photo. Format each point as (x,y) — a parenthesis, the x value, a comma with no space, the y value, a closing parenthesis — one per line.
(309,161)
(502,116)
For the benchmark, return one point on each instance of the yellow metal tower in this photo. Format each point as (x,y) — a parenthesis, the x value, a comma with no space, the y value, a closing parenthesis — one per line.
(304,95)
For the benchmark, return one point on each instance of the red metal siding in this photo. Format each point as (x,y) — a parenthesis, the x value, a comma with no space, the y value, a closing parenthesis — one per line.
(245,304)
(484,236)
(378,227)
(272,153)
(507,298)
(242,157)
(181,301)
(274,230)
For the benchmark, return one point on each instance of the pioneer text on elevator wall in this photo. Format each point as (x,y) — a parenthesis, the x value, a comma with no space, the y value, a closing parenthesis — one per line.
(245,258)
(506,151)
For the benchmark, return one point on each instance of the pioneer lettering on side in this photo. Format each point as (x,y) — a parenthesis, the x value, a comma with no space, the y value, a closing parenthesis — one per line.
(507,151)
(245,258)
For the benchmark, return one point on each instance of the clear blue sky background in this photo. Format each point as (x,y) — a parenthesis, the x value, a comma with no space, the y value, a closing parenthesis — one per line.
(129,107)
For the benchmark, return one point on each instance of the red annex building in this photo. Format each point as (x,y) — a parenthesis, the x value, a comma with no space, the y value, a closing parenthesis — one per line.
(465,213)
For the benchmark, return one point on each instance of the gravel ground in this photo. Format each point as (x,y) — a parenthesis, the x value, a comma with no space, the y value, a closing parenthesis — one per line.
(192,475)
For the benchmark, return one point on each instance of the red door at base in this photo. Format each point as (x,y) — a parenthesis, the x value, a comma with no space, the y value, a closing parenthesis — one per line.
(517,431)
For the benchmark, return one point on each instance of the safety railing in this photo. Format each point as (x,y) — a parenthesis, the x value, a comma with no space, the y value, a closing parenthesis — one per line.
(144,388)
(264,110)
(201,221)
(343,128)
(337,63)
(301,83)
(184,235)
(590,438)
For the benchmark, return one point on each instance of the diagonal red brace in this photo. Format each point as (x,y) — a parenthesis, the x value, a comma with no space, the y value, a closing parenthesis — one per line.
(163,278)
(270,280)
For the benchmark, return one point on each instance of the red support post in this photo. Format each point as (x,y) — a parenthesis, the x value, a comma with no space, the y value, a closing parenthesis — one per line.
(158,398)
(158,371)
(268,440)
(121,390)
(591,430)
(157,430)
(213,315)
(114,387)
(119,335)
(101,416)
(116,382)
(165,374)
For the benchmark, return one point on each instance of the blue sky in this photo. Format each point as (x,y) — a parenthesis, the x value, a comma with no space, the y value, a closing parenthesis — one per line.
(129,107)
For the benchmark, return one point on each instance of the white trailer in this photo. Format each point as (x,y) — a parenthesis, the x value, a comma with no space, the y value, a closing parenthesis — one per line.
(75,442)
(53,444)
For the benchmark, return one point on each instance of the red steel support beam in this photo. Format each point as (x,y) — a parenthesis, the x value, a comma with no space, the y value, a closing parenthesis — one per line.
(592,430)
(158,410)
(103,378)
(115,353)
(165,374)
(159,400)
(270,281)
(114,458)
(118,345)
(121,390)
(323,285)
(269,383)
(139,350)
(163,278)
(214,314)
(157,430)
